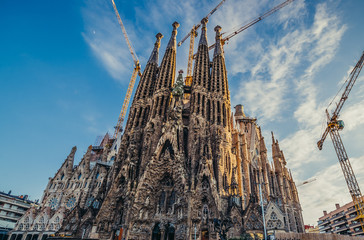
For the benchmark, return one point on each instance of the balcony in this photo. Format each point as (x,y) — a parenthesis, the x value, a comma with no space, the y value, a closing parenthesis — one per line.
(358,232)
(13,210)
(338,223)
(339,215)
(342,229)
(324,222)
(328,227)
(350,210)
(15,202)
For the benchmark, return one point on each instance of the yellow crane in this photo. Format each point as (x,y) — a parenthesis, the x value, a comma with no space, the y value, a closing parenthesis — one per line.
(193,34)
(136,71)
(251,23)
(333,127)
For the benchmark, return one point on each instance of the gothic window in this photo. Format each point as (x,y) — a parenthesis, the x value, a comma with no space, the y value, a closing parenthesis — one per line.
(156,233)
(62,176)
(203,106)
(20,227)
(50,186)
(225,182)
(79,176)
(53,203)
(51,226)
(96,204)
(279,224)
(224,114)
(89,201)
(270,224)
(208,110)
(162,199)
(218,113)
(71,202)
(35,228)
(273,216)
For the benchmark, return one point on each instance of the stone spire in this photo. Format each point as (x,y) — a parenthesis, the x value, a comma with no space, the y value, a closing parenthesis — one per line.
(172,42)
(166,75)
(219,82)
(155,54)
(218,46)
(140,108)
(168,65)
(148,78)
(201,71)
(203,39)
(70,159)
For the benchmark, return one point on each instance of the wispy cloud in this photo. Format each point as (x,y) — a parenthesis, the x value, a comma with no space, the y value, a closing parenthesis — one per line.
(328,189)
(104,36)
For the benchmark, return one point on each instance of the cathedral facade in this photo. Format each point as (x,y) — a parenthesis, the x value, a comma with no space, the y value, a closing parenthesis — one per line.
(186,167)
(187,164)
(73,188)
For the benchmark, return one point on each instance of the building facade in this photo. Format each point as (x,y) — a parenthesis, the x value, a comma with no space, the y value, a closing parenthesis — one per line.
(184,167)
(12,208)
(186,162)
(342,220)
(72,188)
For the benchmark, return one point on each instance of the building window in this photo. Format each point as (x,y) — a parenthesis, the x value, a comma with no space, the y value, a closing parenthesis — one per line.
(79,176)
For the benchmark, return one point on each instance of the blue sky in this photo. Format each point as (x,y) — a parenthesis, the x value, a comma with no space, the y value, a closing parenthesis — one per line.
(65,67)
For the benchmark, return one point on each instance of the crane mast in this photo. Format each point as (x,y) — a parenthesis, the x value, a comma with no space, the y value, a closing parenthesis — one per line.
(333,127)
(136,71)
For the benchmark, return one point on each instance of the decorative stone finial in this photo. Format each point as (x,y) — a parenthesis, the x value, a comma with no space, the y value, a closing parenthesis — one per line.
(175,25)
(172,41)
(218,45)
(154,55)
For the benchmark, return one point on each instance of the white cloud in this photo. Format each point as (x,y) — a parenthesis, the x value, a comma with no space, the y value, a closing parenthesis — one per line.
(105,38)
(329,188)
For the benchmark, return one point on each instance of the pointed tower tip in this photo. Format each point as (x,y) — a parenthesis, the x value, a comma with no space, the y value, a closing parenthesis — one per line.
(175,25)
(272,137)
(204,21)
(218,45)
(155,54)
(217,29)
(203,39)
(159,36)
(172,42)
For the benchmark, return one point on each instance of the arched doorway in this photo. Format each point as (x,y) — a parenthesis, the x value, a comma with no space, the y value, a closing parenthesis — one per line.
(205,234)
(156,233)
(169,234)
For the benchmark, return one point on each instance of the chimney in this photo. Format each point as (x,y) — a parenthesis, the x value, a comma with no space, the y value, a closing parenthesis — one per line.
(337,206)
(325,213)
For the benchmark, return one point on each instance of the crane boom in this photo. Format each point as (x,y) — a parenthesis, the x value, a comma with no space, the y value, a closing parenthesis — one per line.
(136,71)
(251,23)
(195,27)
(352,79)
(333,127)
(135,58)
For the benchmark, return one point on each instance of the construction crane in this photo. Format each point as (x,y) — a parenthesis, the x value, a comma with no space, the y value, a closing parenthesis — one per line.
(136,71)
(193,34)
(333,127)
(251,23)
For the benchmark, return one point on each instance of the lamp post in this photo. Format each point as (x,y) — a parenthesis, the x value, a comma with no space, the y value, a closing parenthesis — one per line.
(261,203)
